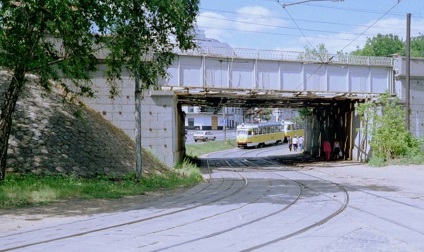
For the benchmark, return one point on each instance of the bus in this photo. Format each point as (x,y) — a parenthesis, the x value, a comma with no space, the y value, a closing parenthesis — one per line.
(262,134)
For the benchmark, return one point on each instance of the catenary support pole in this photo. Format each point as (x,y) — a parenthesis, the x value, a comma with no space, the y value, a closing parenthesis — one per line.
(137,96)
(408,71)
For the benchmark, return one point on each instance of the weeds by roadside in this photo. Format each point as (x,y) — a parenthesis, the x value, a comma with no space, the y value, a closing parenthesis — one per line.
(19,190)
(411,159)
(198,149)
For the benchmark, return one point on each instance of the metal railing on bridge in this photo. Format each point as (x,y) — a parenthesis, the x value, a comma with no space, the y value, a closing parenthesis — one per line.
(244,53)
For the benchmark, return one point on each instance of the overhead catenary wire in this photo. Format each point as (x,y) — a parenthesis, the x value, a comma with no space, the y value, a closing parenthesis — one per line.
(295,23)
(352,41)
(364,10)
(394,6)
(270,33)
(274,26)
(310,44)
(354,37)
(297,19)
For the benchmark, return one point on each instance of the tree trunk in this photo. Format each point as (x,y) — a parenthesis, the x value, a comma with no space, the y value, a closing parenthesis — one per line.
(7,109)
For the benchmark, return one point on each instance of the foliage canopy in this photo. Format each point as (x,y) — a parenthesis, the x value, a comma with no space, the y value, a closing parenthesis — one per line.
(389,44)
(64,39)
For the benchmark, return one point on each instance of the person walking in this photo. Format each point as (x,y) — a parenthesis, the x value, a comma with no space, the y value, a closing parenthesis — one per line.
(300,143)
(336,149)
(290,141)
(327,149)
(295,143)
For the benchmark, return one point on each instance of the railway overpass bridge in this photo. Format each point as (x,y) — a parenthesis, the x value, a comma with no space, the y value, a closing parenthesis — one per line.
(226,77)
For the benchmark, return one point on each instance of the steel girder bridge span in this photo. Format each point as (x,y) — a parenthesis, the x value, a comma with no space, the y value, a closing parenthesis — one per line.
(329,85)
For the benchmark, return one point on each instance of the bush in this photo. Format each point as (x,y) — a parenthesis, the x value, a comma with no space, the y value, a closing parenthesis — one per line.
(390,140)
(377,162)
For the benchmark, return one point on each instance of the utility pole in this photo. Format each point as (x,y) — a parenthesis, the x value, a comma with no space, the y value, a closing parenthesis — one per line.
(225,122)
(408,72)
(137,96)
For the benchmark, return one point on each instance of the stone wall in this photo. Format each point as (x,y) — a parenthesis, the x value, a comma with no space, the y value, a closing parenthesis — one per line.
(52,136)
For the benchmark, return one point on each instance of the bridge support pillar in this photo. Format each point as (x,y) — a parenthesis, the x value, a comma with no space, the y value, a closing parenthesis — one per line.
(360,139)
(161,127)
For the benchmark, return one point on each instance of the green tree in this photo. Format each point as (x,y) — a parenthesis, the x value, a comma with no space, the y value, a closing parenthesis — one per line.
(320,53)
(389,137)
(382,45)
(59,39)
(417,46)
(258,114)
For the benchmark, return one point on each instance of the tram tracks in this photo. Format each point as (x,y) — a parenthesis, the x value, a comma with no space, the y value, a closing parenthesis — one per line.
(249,194)
(217,236)
(414,210)
(240,188)
(228,187)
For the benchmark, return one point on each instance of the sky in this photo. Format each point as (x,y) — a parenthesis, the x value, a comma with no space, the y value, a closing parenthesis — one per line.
(341,26)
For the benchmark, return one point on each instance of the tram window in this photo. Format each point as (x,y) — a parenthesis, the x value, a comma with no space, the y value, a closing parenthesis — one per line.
(241,132)
(255,131)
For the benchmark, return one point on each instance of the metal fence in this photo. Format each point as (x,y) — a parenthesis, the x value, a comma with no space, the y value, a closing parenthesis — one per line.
(244,53)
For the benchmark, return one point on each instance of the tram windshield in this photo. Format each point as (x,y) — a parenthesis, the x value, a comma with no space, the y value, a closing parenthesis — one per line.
(241,132)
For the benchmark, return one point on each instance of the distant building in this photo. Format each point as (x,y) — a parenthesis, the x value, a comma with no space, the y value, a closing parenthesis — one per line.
(286,114)
(208,119)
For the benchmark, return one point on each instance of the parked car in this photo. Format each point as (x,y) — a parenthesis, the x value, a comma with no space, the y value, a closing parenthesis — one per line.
(203,136)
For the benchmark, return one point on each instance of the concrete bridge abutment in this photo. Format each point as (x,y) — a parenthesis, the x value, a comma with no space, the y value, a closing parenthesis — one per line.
(162,126)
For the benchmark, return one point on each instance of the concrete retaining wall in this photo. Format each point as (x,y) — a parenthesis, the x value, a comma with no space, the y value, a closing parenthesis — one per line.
(160,130)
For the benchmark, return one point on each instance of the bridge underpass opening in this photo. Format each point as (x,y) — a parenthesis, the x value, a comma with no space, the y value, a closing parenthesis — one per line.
(332,114)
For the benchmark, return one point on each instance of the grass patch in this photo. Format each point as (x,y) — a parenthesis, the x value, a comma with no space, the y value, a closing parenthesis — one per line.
(20,190)
(26,190)
(197,149)
(412,158)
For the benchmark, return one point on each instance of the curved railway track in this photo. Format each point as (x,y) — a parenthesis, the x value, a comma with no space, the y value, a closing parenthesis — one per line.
(229,187)
(247,203)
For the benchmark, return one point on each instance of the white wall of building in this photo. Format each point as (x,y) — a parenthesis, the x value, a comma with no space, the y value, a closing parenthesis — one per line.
(416,90)
(204,120)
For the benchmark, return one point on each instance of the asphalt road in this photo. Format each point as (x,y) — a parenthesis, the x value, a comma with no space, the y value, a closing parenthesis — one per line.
(253,201)
(220,135)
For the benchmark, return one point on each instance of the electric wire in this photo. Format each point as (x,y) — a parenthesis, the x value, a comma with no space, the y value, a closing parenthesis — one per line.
(394,6)
(351,42)
(297,19)
(272,26)
(295,23)
(269,33)
(398,14)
